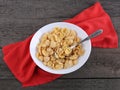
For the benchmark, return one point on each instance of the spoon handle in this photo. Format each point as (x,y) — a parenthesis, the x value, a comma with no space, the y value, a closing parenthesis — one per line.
(96,33)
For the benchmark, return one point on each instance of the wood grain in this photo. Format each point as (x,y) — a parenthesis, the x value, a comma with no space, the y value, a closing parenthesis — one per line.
(14,30)
(103,63)
(31,9)
(21,18)
(66,84)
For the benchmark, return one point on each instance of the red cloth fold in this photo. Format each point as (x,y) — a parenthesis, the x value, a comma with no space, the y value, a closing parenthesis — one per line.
(95,18)
(19,61)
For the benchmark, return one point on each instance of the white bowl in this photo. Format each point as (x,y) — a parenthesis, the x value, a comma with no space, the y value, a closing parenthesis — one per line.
(80,32)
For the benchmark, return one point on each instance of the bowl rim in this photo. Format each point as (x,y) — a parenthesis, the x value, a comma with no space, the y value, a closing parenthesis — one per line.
(63,71)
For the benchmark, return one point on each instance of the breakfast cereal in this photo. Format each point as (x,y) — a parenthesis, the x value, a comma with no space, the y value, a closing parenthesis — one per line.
(54,51)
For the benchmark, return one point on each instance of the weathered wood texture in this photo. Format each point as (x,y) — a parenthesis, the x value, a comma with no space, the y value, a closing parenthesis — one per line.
(67,84)
(101,64)
(21,18)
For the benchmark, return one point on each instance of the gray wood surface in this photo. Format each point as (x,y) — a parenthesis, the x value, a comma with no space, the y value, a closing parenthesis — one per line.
(66,84)
(21,18)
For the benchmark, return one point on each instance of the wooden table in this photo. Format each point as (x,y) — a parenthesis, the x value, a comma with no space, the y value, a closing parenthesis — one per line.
(21,18)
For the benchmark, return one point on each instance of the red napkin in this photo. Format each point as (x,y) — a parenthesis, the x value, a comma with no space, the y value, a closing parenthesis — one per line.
(95,18)
(17,55)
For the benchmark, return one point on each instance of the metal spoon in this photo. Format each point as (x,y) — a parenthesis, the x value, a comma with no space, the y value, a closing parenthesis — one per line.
(94,34)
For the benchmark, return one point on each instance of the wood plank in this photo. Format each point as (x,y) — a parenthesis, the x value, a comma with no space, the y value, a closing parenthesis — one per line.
(66,84)
(102,63)
(99,65)
(14,30)
(55,8)
(21,18)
